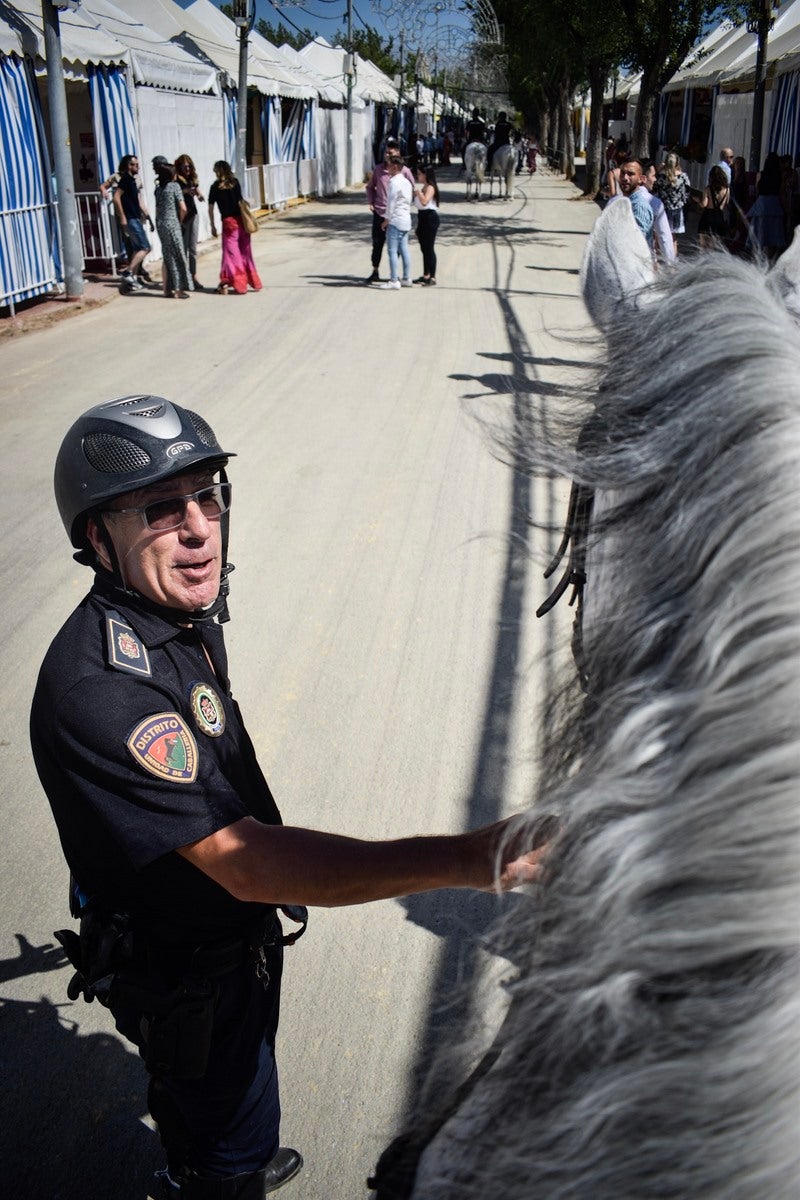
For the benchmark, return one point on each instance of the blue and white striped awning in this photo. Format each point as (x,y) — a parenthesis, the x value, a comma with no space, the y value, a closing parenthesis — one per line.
(308,147)
(230,102)
(784,126)
(292,134)
(712,137)
(112,117)
(28,229)
(686,118)
(272,116)
(663,117)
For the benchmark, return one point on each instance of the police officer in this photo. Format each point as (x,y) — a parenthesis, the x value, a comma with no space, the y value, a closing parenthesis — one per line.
(476,129)
(178,858)
(501,137)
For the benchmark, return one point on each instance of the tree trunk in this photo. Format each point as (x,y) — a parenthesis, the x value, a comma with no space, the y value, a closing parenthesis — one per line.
(544,128)
(566,131)
(555,129)
(645,110)
(594,149)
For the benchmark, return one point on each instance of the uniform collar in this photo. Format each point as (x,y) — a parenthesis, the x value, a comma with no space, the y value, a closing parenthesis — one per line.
(153,628)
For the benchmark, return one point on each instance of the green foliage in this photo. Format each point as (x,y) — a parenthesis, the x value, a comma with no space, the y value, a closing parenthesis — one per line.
(279,35)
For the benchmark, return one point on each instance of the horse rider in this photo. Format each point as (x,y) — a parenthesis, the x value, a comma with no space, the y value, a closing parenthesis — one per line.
(476,129)
(502,137)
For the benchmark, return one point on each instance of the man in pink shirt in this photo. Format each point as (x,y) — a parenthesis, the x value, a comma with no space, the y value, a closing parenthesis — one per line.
(377,187)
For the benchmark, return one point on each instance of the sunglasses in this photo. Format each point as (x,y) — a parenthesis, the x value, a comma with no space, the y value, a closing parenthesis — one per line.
(170,513)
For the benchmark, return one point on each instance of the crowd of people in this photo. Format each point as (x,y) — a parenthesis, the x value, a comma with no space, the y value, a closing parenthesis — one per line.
(745,211)
(177,195)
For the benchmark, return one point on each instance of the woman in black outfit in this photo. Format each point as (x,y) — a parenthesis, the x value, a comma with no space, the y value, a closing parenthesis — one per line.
(426,199)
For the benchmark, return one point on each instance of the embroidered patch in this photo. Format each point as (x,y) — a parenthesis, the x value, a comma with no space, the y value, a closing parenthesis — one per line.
(126,651)
(207,709)
(165,747)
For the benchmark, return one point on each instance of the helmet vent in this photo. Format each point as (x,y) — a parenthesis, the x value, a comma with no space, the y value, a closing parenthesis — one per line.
(155,410)
(203,431)
(114,455)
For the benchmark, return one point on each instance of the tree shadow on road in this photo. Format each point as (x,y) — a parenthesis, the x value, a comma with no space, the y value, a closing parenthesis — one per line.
(463,921)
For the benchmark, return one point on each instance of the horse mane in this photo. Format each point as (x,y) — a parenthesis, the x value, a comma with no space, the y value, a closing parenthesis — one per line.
(651,1043)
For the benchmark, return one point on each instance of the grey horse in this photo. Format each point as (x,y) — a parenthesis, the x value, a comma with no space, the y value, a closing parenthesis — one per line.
(650,1046)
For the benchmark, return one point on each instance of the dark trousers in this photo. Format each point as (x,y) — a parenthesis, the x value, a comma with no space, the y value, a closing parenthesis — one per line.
(378,238)
(427,225)
(227,1122)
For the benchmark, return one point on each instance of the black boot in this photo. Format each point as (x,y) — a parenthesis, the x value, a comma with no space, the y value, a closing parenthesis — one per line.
(249,1186)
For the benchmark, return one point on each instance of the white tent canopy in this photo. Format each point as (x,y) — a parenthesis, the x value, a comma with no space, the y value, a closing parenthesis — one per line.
(82,40)
(330,90)
(370,83)
(266,70)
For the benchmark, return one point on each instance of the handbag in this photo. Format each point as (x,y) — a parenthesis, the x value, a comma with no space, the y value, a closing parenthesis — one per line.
(248,220)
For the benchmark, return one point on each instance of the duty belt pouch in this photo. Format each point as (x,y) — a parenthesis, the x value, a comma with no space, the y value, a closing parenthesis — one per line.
(177,1034)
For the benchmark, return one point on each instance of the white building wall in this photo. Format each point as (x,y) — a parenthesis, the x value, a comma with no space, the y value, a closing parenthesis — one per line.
(173,123)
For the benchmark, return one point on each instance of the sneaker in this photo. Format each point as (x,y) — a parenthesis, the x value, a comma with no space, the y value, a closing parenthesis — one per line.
(421,279)
(129,281)
(429,282)
(390,285)
(374,278)
(406,283)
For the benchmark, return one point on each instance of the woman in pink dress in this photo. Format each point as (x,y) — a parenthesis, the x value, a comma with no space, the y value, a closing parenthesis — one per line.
(237,269)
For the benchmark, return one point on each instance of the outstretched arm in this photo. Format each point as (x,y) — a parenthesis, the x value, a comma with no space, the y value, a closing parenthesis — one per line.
(279,864)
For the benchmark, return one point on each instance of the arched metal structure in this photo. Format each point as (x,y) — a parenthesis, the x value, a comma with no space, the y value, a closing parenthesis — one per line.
(461,37)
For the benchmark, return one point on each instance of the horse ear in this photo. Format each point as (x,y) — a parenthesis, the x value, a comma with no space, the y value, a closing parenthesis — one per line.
(784,278)
(617,263)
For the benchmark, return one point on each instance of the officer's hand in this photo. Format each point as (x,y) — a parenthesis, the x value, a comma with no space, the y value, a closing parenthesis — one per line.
(516,849)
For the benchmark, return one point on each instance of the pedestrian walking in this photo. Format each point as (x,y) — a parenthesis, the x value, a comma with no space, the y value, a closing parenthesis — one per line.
(186,176)
(673,188)
(237,268)
(170,213)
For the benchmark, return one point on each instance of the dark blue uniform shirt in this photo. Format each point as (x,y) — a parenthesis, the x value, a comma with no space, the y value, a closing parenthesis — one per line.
(141,749)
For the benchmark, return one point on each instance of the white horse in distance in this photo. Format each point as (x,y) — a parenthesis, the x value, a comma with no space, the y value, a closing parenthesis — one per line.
(475,166)
(504,161)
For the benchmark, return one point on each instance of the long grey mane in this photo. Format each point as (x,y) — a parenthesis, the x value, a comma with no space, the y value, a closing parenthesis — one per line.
(651,1047)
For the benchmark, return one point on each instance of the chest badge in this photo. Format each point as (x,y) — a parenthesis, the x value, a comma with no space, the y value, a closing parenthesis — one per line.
(207,709)
(164,746)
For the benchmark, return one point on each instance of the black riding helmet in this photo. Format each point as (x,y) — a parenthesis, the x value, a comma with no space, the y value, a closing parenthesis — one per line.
(126,444)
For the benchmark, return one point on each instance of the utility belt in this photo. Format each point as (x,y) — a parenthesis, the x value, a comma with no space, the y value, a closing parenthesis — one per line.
(174,988)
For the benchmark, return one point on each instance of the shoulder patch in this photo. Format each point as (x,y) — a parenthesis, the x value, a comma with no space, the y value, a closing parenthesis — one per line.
(164,746)
(126,650)
(207,710)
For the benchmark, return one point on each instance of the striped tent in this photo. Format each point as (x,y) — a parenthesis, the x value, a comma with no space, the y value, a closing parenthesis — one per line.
(784,125)
(686,118)
(112,116)
(273,134)
(711,129)
(663,117)
(230,102)
(308,147)
(292,134)
(29,259)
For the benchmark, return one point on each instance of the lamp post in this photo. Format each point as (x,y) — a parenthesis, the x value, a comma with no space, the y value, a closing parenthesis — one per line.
(349,71)
(62,157)
(760,23)
(243,17)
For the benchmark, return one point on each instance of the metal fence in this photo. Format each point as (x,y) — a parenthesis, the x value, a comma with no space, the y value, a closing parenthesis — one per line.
(27,268)
(274,184)
(101,240)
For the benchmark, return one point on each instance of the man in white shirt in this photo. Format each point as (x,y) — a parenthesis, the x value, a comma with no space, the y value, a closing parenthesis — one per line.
(648,211)
(397,224)
(726,157)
